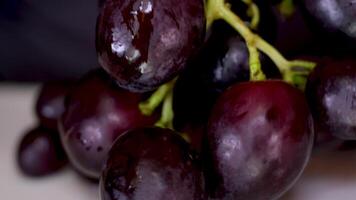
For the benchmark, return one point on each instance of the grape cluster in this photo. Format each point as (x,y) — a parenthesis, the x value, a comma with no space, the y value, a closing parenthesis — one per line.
(196,101)
(40,151)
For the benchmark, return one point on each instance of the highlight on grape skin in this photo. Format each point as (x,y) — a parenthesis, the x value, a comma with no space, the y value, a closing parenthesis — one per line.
(145,43)
(189,99)
(163,167)
(257,149)
(97,111)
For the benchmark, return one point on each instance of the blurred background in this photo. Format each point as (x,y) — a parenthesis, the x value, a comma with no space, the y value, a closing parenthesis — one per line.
(40,41)
(43,40)
(47,40)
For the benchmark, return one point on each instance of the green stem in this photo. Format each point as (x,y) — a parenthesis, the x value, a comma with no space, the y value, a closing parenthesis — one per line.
(300,81)
(286,8)
(163,94)
(256,73)
(255,16)
(166,120)
(149,106)
(217,9)
(253,12)
(286,67)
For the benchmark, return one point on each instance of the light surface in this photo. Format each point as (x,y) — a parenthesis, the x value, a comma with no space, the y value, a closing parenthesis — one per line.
(330,175)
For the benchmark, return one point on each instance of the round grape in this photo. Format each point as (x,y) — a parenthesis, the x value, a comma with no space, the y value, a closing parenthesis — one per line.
(96,113)
(145,43)
(151,164)
(40,152)
(259,139)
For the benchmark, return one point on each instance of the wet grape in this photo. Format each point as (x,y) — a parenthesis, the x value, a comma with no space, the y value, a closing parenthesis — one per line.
(259,139)
(146,43)
(333,22)
(331,93)
(96,113)
(151,164)
(222,61)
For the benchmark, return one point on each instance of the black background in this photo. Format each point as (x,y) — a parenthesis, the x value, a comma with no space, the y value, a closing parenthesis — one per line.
(43,40)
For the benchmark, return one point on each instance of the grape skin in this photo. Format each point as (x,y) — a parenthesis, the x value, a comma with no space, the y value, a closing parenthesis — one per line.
(96,113)
(333,22)
(222,61)
(40,152)
(151,164)
(144,44)
(332,98)
(50,103)
(259,139)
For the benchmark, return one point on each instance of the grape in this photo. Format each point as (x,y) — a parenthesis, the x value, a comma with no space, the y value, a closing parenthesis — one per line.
(151,164)
(40,152)
(223,61)
(50,103)
(96,113)
(144,43)
(293,26)
(334,22)
(259,139)
(194,134)
(331,94)
(219,64)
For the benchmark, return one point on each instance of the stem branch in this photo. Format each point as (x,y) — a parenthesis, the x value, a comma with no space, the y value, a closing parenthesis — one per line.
(163,94)
(149,106)
(254,12)
(166,120)
(218,9)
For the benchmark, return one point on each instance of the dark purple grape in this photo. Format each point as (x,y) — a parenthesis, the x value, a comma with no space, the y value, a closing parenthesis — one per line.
(293,26)
(40,152)
(194,134)
(144,43)
(50,103)
(220,63)
(331,94)
(223,61)
(151,164)
(334,23)
(97,112)
(259,139)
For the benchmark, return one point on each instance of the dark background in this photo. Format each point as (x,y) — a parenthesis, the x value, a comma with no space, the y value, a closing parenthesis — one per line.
(43,40)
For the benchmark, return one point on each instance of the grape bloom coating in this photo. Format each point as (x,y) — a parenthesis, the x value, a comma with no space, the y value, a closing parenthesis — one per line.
(96,113)
(259,139)
(144,43)
(151,164)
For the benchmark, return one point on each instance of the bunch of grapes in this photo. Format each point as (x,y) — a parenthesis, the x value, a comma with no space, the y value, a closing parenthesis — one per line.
(196,99)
